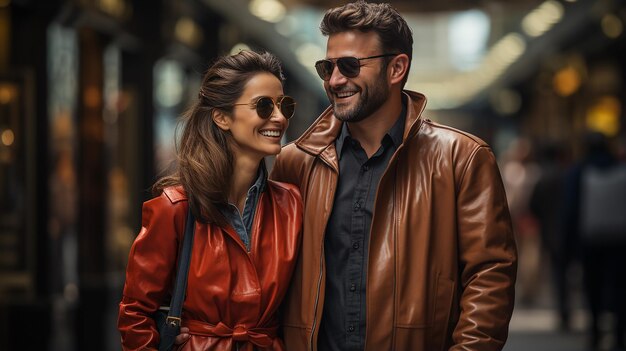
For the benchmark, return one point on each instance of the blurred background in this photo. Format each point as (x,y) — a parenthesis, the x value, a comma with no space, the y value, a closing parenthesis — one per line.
(90,92)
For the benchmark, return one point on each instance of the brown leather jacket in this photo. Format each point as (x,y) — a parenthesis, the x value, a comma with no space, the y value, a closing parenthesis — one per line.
(232,294)
(442,258)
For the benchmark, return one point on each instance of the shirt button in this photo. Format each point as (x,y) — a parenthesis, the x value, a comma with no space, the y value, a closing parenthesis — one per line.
(355,245)
(351,328)
(366,168)
(357,206)
(353,287)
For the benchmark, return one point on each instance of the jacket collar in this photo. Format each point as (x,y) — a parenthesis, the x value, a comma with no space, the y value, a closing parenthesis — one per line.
(319,139)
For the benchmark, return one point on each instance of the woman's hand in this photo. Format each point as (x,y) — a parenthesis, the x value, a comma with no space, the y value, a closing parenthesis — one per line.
(183,336)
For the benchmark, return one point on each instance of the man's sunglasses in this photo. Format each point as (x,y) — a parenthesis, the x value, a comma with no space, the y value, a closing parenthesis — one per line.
(348,66)
(265,106)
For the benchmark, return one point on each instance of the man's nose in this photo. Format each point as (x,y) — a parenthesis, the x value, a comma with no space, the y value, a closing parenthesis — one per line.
(336,78)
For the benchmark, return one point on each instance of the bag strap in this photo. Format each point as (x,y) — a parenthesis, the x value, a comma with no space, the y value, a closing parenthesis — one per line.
(176,304)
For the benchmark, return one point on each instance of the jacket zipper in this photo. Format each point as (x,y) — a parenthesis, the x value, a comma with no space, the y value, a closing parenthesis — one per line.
(319,279)
(317,298)
(393,159)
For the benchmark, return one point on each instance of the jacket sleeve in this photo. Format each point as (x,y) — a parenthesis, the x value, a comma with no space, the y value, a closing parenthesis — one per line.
(149,273)
(488,256)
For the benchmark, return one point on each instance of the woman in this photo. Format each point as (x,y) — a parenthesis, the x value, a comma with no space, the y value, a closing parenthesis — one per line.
(247,233)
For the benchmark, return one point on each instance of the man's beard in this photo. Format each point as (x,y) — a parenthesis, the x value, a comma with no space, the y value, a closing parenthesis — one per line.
(370,100)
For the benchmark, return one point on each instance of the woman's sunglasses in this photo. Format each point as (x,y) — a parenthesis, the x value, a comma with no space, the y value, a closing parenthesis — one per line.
(348,66)
(265,106)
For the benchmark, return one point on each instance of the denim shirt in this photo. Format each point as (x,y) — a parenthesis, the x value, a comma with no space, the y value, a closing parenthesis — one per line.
(242,222)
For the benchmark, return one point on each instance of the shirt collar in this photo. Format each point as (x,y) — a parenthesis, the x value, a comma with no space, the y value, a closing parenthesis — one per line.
(343,134)
(261,179)
(395,133)
(255,189)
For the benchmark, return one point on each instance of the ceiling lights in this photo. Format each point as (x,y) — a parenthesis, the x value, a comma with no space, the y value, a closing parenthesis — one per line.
(268,10)
(541,19)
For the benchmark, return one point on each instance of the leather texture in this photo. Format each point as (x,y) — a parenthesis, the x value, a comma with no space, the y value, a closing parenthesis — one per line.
(232,295)
(442,257)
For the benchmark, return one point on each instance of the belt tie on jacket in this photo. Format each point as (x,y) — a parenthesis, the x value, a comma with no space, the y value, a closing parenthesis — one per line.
(261,337)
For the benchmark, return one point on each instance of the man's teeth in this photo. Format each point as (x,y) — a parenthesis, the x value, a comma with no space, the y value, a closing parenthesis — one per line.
(345,94)
(270,133)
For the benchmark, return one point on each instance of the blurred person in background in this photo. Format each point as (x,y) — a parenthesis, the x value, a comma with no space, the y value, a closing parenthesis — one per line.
(247,233)
(407,239)
(596,215)
(520,174)
(546,204)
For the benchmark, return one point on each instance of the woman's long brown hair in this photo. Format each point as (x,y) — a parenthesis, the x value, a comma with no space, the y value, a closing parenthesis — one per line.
(204,153)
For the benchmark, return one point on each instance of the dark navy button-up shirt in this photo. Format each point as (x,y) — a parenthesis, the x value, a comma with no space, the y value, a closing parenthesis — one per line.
(347,238)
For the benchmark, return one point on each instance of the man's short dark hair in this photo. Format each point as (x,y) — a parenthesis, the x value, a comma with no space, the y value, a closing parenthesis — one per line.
(393,31)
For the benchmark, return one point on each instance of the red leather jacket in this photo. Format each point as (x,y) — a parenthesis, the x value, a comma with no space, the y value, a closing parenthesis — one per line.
(232,295)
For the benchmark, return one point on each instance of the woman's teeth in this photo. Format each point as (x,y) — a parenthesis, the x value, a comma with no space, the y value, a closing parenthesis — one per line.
(270,133)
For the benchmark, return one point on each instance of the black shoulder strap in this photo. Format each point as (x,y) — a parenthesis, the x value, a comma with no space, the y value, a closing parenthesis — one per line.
(176,304)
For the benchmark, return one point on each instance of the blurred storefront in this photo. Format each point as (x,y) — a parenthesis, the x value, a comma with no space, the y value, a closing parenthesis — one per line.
(81,77)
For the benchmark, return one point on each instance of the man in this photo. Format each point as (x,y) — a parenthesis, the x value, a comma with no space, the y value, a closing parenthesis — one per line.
(407,241)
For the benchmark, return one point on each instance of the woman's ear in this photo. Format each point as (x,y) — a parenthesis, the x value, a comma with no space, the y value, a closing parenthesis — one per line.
(221,120)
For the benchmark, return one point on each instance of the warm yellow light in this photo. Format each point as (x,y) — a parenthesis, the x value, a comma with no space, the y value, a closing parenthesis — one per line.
(92,97)
(603,116)
(237,48)
(541,19)
(612,26)
(7,137)
(268,10)
(6,94)
(188,32)
(566,81)
(4,3)
(113,7)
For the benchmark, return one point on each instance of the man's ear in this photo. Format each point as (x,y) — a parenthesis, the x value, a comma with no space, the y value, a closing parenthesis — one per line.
(398,68)
(221,119)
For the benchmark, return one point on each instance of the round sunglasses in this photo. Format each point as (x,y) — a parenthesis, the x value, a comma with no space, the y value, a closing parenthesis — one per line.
(265,106)
(348,66)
